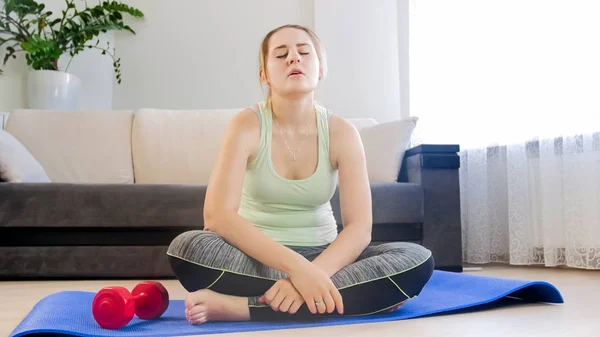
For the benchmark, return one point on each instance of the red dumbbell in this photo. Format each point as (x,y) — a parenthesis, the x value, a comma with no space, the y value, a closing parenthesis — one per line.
(114,307)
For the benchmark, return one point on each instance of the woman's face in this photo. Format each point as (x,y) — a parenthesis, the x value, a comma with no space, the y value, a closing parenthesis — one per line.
(292,63)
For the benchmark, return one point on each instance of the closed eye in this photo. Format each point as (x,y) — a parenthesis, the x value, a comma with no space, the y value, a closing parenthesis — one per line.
(285,55)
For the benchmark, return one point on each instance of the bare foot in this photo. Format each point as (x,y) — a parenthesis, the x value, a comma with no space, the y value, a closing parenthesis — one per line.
(206,305)
(396,307)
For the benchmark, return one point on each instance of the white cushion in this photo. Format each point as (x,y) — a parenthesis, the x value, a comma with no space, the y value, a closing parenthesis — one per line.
(17,165)
(385,145)
(77,146)
(177,146)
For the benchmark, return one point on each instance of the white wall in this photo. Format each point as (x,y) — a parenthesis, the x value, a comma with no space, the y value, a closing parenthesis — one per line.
(403,14)
(199,54)
(13,83)
(204,54)
(362,46)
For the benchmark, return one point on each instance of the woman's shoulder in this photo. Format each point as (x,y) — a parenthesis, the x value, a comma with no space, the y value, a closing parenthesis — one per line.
(244,126)
(246,119)
(338,125)
(344,138)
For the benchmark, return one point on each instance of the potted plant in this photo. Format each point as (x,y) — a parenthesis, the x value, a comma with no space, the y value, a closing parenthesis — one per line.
(27,27)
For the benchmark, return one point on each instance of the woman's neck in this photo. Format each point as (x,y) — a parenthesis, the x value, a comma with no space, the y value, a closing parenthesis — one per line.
(293,113)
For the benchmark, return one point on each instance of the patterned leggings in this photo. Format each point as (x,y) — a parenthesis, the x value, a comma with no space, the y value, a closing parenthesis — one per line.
(382,277)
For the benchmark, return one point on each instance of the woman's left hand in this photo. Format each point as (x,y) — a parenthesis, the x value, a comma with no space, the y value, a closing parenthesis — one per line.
(283,296)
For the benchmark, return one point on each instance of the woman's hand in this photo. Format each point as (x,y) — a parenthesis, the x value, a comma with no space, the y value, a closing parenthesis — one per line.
(317,289)
(282,296)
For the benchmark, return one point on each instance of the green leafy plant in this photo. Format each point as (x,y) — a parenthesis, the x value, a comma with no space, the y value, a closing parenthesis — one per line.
(26,26)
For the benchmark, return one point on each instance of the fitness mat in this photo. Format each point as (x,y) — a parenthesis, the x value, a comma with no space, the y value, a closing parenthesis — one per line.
(69,312)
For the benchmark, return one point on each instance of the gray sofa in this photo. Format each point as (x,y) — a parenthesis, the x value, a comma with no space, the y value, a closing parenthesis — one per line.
(72,231)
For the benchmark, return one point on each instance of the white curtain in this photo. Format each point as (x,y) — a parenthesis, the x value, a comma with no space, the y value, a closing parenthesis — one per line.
(517,84)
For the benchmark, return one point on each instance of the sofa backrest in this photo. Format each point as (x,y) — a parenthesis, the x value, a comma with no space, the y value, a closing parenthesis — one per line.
(181,146)
(177,146)
(160,146)
(77,146)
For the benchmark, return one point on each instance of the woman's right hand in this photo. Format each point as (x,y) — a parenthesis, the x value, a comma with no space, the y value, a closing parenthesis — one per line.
(317,289)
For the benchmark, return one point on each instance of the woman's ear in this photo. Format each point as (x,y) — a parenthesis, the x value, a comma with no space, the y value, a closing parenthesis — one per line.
(263,77)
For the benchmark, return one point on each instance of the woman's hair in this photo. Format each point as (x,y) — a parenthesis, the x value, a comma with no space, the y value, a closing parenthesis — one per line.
(264,50)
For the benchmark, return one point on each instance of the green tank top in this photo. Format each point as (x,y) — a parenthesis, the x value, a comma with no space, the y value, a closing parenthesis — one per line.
(291,212)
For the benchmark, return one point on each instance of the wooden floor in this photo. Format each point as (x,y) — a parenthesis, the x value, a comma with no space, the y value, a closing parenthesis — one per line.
(579,316)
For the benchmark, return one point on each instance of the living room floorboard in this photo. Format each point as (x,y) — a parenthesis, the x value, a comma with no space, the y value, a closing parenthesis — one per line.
(577,317)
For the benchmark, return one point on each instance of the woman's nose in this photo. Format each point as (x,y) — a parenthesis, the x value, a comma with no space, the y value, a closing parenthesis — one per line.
(294,58)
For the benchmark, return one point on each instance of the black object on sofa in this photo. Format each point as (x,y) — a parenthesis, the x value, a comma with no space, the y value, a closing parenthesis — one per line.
(75,231)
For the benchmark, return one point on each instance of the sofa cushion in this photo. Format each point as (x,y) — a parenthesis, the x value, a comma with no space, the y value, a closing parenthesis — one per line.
(77,146)
(177,146)
(160,205)
(17,165)
(66,205)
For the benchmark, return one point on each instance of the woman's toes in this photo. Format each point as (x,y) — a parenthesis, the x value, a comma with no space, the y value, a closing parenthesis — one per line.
(197,319)
(198,309)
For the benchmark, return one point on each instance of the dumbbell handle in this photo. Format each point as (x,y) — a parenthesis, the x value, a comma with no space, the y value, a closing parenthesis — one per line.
(140,301)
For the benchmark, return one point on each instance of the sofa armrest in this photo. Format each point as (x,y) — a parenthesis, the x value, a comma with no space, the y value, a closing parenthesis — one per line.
(435,168)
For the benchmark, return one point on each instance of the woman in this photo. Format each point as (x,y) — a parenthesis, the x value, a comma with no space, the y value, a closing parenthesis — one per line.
(270,247)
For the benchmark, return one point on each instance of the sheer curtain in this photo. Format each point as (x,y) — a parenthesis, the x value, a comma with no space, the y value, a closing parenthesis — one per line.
(517,84)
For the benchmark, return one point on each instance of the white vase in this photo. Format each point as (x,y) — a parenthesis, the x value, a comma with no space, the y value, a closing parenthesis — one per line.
(52,90)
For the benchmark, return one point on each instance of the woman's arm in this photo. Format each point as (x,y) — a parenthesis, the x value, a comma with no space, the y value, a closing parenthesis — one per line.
(355,198)
(224,192)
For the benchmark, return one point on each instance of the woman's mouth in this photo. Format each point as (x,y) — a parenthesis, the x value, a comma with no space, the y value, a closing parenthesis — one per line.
(295,73)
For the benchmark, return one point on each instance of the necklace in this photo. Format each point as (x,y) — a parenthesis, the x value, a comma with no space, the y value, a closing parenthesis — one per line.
(286,143)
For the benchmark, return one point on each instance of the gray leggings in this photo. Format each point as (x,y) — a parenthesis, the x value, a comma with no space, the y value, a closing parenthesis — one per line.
(382,277)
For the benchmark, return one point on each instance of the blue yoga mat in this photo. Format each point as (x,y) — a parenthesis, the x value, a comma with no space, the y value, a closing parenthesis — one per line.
(69,312)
